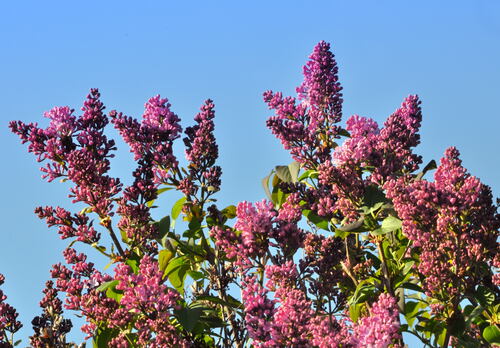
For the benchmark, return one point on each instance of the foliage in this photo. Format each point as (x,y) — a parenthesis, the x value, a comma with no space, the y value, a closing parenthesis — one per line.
(351,248)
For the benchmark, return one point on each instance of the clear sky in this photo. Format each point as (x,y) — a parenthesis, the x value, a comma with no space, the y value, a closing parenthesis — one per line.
(53,52)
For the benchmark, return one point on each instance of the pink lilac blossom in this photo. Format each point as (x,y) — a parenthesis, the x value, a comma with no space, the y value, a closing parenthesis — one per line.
(202,152)
(255,224)
(50,327)
(259,311)
(76,149)
(152,302)
(307,129)
(322,263)
(291,320)
(452,223)
(8,318)
(152,139)
(397,138)
(321,89)
(380,329)
(69,225)
(291,210)
(360,148)
(345,189)
(328,332)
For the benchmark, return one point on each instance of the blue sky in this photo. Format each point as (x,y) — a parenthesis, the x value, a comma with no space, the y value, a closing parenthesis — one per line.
(53,52)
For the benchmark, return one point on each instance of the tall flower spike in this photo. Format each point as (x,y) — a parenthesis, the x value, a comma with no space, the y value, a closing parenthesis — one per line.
(202,153)
(152,139)
(321,88)
(308,128)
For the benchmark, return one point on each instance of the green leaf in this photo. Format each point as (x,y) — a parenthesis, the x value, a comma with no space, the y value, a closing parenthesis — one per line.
(313,174)
(106,285)
(176,272)
(411,286)
(133,262)
(316,219)
(174,264)
(163,227)
(265,185)
(164,257)
(408,266)
(485,296)
(177,278)
(356,226)
(430,166)
(196,275)
(476,312)
(355,311)
(103,337)
(188,317)
(389,224)
(411,310)
(231,301)
(374,198)
(294,168)
(113,293)
(283,172)
(177,208)
(344,132)
(229,211)
(492,334)
(160,191)
(457,324)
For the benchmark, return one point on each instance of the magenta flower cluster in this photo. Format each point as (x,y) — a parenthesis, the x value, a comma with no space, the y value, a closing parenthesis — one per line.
(308,128)
(453,225)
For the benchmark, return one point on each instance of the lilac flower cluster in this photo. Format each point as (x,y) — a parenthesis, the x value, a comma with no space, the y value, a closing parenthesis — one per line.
(80,285)
(381,328)
(151,140)
(453,225)
(69,225)
(77,150)
(8,319)
(307,129)
(50,328)
(386,152)
(255,229)
(202,152)
(150,302)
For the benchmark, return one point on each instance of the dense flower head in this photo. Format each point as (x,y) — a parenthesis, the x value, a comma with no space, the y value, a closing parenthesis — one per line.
(345,190)
(387,152)
(255,224)
(322,258)
(397,138)
(152,139)
(452,222)
(76,149)
(380,329)
(328,332)
(307,128)
(62,121)
(259,311)
(8,317)
(145,291)
(321,89)
(50,327)
(361,148)
(202,152)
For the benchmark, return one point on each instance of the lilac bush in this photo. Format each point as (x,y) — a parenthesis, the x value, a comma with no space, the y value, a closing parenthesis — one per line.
(352,247)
